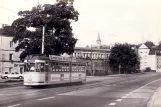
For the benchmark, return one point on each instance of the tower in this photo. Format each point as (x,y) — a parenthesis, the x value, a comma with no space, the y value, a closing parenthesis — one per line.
(98,40)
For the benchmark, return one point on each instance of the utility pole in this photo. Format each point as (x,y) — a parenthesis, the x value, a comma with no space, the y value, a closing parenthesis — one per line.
(119,68)
(43,34)
(156,60)
(91,63)
(1,56)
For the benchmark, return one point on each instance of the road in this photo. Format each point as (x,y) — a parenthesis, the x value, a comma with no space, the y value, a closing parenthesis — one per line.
(121,91)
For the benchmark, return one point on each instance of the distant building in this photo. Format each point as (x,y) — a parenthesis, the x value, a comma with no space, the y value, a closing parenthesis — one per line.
(96,57)
(149,57)
(9,59)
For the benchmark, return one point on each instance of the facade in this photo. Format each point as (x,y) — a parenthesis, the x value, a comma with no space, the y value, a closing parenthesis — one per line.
(144,55)
(150,57)
(96,57)
(9,59)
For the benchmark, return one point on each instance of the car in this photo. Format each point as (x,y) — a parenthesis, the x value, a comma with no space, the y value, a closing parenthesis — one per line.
(13,75)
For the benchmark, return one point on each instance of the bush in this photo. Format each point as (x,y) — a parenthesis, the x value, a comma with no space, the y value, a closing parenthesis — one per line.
(148,69)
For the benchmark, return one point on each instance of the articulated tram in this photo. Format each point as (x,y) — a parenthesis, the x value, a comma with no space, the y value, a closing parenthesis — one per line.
(41,71)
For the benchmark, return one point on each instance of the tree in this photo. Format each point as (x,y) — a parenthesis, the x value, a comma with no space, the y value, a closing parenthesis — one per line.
(67,1)
(124,56)
(57,20)
(149,44)
(159,46)
(8,31)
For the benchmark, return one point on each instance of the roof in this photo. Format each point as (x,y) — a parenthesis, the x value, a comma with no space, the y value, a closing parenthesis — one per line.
(93,49)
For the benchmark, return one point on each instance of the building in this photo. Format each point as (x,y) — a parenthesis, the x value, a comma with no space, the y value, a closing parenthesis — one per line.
(9,59)
(96,57)
(149,57)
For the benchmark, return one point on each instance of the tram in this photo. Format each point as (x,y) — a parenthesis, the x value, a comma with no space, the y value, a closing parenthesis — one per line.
(41,71)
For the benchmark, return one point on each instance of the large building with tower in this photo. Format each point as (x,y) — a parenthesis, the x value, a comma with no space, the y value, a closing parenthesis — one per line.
(96,57)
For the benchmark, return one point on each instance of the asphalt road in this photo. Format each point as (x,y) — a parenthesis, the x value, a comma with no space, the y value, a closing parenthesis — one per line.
(122,91)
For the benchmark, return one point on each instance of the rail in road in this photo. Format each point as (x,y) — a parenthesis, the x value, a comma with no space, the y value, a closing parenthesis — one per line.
(105,93)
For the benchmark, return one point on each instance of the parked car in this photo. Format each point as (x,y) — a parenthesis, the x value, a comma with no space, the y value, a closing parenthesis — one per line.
(12,75)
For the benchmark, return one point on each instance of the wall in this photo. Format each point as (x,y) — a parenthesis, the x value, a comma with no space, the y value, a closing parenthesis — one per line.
(6,48)
(152,62)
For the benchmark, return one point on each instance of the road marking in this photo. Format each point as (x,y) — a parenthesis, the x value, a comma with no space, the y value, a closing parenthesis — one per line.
(119,100)
(127,94)
(45,98)
(112,104)
(124,97)
(144,86)
(14,105)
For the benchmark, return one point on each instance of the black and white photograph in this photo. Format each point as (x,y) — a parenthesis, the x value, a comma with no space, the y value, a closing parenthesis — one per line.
(80,53)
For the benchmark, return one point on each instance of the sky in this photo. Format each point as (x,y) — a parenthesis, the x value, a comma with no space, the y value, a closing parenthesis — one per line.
(131,21)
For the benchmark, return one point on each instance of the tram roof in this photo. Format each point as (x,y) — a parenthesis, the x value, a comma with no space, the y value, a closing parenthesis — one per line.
(51,59)
(38,58)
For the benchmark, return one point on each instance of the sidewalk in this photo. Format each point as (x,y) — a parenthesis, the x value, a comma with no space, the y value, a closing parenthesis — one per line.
(155,100)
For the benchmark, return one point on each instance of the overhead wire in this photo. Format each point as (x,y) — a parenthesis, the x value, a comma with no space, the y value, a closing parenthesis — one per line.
(8,9)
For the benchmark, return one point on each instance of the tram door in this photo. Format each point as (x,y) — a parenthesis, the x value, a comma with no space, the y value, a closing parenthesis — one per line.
(46,72)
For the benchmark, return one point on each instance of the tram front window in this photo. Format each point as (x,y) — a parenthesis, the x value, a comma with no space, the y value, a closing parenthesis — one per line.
(31,67)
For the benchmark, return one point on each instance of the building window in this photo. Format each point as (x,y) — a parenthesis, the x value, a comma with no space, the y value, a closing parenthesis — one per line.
(11,44)
(10,57)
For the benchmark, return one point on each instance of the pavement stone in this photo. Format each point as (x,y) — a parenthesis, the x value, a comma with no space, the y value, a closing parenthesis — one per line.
(155,100)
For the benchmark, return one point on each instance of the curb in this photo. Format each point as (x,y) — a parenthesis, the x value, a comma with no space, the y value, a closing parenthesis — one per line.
(152,99)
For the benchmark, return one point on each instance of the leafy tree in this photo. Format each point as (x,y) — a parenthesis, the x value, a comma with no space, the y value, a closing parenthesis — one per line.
(149,44)
(123,55)
(57,20)
(67,1)
(8,31)
(159,46)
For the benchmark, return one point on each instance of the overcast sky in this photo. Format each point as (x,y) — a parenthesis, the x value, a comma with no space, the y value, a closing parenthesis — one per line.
(131,21)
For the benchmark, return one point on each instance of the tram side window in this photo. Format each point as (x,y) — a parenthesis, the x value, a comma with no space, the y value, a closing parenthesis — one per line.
(76,68)
(56,67)
(79,68)
(53,67)
(73,68)
(63,67)
(84,69)
(67,67)
(60,67)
